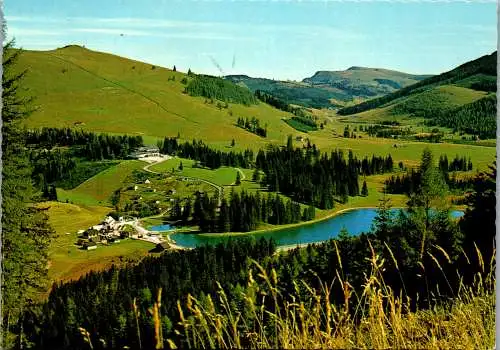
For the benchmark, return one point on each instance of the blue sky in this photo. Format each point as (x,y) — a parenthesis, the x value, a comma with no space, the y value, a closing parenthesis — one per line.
(273,39)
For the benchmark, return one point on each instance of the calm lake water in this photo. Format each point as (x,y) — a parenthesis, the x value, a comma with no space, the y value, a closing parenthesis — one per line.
(161,228)
(355,221)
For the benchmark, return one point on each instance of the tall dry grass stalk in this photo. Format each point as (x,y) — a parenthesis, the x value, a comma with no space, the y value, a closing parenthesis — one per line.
(380,319)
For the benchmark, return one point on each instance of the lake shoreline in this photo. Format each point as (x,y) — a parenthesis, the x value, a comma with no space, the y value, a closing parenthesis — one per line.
(287,226)
(282,228)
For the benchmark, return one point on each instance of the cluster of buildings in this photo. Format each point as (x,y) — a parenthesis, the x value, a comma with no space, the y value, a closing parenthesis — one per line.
(146,152)
(108,231)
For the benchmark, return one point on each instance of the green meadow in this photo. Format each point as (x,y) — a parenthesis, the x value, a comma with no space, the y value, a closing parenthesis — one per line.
(66,260)
(98,189)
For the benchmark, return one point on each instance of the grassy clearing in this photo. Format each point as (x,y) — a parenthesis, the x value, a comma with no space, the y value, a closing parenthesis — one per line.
(222,176)
(98,189)
(173,163)
(67,261)
(408,152)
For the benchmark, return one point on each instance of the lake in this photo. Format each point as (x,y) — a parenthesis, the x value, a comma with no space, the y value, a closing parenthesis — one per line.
(355,221)
(162,228)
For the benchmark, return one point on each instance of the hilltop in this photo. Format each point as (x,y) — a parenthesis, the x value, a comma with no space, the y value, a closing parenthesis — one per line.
(332,88)
(363,81)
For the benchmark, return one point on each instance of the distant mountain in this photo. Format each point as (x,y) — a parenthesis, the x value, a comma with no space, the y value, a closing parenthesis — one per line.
(364,82)
(463,99)
(479,74)
(291,92)
(332,88)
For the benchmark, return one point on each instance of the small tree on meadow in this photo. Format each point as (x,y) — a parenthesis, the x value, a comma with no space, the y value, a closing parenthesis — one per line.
(232,144)
(175,69)
(364,190)
(238,179)
(181,167)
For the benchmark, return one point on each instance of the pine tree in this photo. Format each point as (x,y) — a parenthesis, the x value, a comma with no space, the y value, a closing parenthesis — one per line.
(256,175)
(364,190)
(238,179)
(289,143)
(25,230)
(175,69)
(181,167)
(233,143)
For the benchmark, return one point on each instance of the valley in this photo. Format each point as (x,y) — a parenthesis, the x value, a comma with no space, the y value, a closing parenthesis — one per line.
(232,175)
(117,96)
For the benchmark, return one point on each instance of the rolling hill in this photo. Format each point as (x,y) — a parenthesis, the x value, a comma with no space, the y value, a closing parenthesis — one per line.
(80,88)
(332,88)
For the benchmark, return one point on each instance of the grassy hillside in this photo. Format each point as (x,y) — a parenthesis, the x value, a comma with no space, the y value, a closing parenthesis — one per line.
(76,87)
(79,88)
(467,75)
(66,260)
(98,189)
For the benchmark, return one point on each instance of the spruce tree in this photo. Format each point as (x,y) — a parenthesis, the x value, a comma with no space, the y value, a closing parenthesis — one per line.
(364,190)
(25,230)
(256,175)
(238,179)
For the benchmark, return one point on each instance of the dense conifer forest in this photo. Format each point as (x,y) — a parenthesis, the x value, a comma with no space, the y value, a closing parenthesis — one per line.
(476,118)
(113,305)
(242,213)
(208,157)
(219,89)
(85,144)
(310,177)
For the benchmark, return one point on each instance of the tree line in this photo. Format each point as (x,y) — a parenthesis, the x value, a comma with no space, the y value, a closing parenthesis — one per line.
(220,89)
(384,132)
(457,164)
(409,182)
(278,103)
(85,144)
(242,213)
(208,157)
(313,178)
